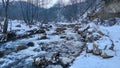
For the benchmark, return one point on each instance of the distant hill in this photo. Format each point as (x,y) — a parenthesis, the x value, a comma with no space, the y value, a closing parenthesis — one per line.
(69,12)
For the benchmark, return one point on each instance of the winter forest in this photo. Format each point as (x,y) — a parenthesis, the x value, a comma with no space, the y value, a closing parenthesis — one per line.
(59,33)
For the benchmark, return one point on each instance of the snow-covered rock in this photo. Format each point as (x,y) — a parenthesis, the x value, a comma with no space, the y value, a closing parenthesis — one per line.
(108,54)
(66,61)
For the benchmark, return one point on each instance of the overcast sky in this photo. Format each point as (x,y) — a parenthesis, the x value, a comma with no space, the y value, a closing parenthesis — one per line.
(50,3)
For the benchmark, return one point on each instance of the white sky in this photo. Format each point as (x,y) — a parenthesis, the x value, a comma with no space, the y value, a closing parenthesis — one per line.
(50,3)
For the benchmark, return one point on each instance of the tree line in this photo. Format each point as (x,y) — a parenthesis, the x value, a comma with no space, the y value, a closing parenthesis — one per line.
(31,12)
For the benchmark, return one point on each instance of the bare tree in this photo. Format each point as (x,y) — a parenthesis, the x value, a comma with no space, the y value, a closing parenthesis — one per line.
(6,6)
(1,24)
(28,12)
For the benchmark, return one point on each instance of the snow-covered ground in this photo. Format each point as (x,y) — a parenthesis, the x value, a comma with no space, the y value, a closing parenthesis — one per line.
(62,37)
(15,58)
(86,60)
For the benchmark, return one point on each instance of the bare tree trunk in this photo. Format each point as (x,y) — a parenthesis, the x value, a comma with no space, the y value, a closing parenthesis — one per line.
(5,5)
(28,12)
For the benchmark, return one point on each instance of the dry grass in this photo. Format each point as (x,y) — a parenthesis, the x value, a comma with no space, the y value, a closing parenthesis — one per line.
(109,11)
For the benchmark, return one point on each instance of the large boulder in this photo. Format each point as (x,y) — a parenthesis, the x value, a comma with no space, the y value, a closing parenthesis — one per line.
(89,48)
(21,47)
(111,22)
(36,31)
(55,57)
(69,37)
(66,61)
(30,44)
(89,33)
(96,50)
(11,36)
(18,26)
(40,62)
(40,31)
(1,54)
(108,54)
(42,37)
(60,30)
